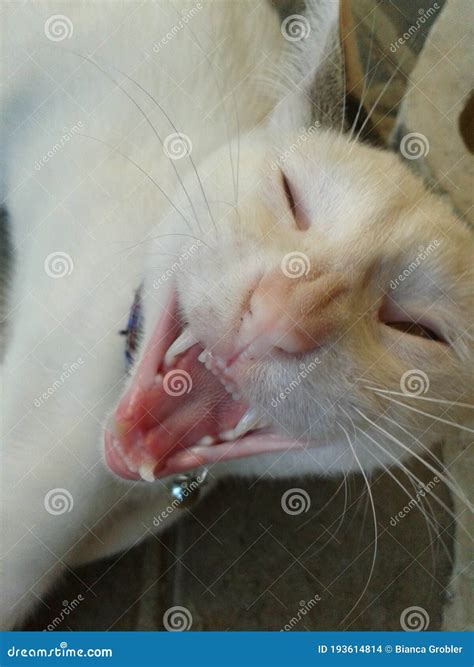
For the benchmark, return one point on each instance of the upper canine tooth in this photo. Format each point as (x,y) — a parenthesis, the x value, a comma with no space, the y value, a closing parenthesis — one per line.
(247,422)
(180,345)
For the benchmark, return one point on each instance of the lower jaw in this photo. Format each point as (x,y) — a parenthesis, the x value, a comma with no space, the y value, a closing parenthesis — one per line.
(191,458)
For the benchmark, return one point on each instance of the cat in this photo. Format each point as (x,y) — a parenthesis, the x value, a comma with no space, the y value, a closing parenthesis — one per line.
(300,300)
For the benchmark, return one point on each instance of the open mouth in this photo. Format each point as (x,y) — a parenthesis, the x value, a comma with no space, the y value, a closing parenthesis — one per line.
(183,410)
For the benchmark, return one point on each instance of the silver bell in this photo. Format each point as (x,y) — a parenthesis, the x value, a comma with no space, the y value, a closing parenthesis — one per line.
(186,488)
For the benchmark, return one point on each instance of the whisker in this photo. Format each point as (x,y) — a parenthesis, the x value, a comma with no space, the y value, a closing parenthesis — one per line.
(364,517)
(420,398)
(428,465)
(135,103)
(235,177)
(188,154)
(143,171)
(321,509)
(344,90)
(366,73)
(374,515)
(422,446)
(343,515)
(411,476)
(377,100)
(434,523)
(328,502)
(429,414)
(158,237)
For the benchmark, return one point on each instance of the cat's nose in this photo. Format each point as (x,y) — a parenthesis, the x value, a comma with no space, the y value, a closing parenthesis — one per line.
(293,314)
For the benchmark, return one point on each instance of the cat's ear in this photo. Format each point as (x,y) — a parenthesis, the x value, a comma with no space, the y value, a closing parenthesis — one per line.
(312,67)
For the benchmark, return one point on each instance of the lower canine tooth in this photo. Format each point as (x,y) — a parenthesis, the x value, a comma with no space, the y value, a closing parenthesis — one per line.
(146,471)
(205,441)
(203,356)
(247,422)
(180,345)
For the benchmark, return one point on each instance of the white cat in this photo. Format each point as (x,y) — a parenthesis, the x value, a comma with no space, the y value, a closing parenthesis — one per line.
(304,301)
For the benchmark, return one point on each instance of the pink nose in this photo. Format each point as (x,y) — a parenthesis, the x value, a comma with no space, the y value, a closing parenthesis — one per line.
(292,314)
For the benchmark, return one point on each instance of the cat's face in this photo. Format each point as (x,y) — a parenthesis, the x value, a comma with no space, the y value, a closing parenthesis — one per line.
(332,301)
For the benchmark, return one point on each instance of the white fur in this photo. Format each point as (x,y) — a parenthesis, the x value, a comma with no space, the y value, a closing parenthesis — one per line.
(88,201)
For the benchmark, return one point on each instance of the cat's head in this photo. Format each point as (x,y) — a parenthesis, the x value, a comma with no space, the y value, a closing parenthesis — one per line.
(322,294)
(306,309)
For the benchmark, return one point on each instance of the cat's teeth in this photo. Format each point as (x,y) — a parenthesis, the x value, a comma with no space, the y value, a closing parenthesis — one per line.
(203,356)
(158,378)
(205,441)
(248,421)
(180,345)
(146,471)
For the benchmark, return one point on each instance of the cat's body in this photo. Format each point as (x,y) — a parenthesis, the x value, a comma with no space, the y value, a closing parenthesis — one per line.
(101,200)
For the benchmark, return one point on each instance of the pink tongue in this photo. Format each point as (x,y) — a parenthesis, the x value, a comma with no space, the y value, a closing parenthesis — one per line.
(155,420)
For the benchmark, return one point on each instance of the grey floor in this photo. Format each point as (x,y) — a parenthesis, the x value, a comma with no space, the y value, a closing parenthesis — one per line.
(237,561)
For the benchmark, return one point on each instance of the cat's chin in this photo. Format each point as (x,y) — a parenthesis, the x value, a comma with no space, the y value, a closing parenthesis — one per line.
(183,410)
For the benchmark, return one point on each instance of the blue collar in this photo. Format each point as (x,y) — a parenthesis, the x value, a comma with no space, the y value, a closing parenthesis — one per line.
(134,328)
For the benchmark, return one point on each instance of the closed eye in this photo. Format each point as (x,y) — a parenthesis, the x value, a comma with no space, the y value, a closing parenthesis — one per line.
(415,329)
(299,216)
(393,316)
(289,194)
